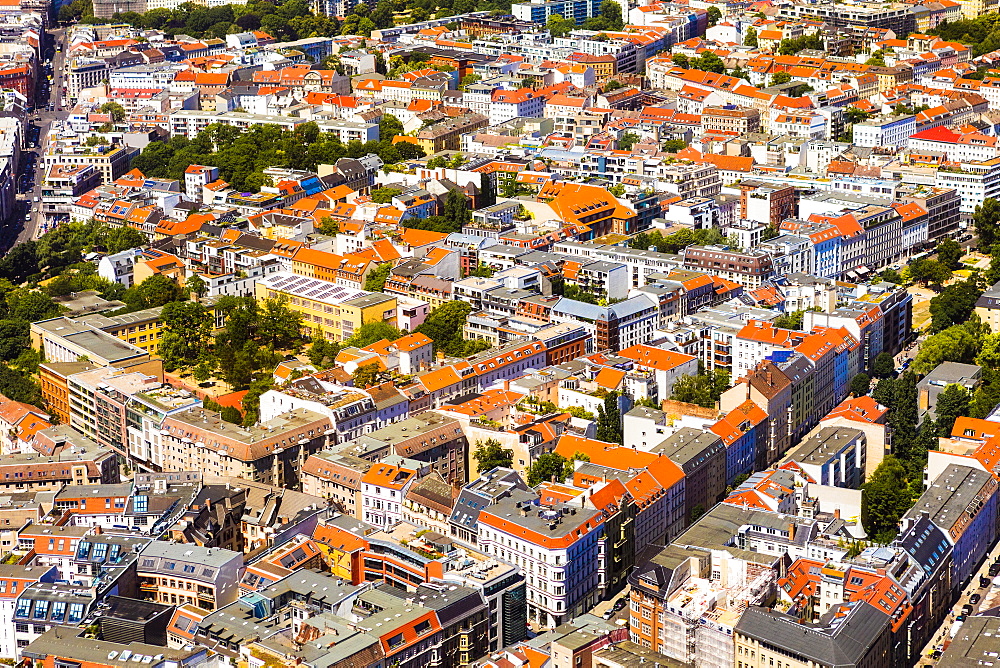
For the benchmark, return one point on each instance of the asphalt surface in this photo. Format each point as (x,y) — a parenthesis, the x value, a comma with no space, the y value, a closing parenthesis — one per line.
(943,634)
(27,220)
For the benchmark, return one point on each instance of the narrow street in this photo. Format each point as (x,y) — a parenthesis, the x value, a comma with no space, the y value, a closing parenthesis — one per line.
(988,598)
(31,171)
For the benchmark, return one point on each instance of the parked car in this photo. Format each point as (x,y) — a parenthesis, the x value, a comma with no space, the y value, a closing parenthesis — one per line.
(975,598)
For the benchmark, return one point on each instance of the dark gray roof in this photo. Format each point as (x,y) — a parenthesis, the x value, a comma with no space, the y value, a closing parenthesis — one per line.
(843,642)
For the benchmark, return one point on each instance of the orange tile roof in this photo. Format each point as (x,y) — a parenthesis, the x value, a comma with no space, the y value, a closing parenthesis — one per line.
(657,358)
(439,379)
(609,378)
(610,455)
(388,475)
(865,409)
(411,342)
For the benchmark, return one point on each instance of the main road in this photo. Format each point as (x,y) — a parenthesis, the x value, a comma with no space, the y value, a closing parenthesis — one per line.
(49,105)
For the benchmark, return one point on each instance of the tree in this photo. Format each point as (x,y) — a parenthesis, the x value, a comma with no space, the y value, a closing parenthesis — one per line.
(611,13)
(708,62)
(319,351)
(196,285)
(883,365)
(385,195)
(611,85)
(877,59)
(231,414)
(953,402)
(955,304)
(278,327)
(929,271)
(370,332)
(490,454)
(115,110)
(368,375)
(14,338)
(456,209)
(860,385)
(791,320)
(714,14)
(950,253)
(157,290)
(609,420)
(790,47)
(883,391)
(903,413)
(388,127)
(116,240)
(673,145)
(187,334)
(375,280)
(444,325)
(703,389)
(558,26)
(885,498)
(986,219)
(750,39)
(548,466)
(627,141)
(779,78)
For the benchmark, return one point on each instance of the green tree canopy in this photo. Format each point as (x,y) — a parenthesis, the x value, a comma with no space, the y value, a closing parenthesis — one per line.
(883,366)
(986,220)
(548,466)
(703,389)
(370,332)
(490,454)
(444,325)
(885,499)
(558,26)
(609,420)
(953,402)
(860,385)
(955,304)
(375,280)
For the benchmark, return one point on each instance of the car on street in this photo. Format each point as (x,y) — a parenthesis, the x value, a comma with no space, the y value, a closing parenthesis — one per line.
(975,598)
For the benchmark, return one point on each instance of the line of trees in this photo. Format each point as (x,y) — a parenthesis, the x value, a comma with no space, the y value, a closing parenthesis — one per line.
(243,155)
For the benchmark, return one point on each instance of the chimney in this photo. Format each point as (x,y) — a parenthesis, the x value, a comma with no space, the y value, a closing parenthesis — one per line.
(836,513)
(791,531)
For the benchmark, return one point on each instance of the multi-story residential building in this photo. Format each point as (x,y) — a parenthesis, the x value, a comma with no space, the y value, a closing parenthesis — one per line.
(973,180)
(890,131)
(272,452)
(856,633)
(84,73)
(65,458)
(430,437)
(897,17)
(701,455)
(962,503)
(184,574)
(383,490)
(539,11)
(331,310)
(560,544)
(352,413)
(110,160)
(730,119)
(943,205)
(749,268)
(16,580)
(45,605)
(833,456)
